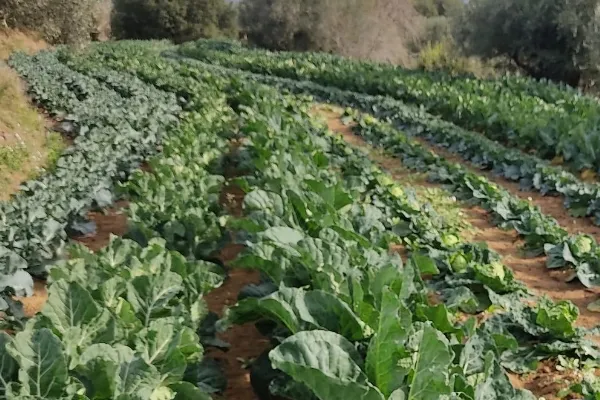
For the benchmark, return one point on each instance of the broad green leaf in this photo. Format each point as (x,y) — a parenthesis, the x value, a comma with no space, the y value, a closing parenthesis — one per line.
(390,277)
(43,365)
(424,264)
(558,318)
(429,378)
(464,299)
(496,385)
(439,316)
(334,195)
(261,200)
(470,360)
(298,310)
(8,365)
(70,305)
(166,345)
(386,348)
(150,295)
(283,235)
(327,364)
(116,371)
(187,391)
(77,318)
(100,365)
(138,379)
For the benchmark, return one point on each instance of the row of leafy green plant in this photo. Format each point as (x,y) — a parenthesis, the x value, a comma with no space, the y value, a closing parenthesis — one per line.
(130,322)
(542,234)
(359,213)
(529,171)
(347,318)
(550,92)
(113,133)
(567,128)
(305,207)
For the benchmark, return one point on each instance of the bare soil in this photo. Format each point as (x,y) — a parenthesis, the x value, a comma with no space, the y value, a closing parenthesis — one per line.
(246,342)
(531,271)
(547,381)
(113,221)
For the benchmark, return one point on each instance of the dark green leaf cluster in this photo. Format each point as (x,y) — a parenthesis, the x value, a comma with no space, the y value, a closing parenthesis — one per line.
(114,132)
(567,127)
(346,317)
(118,324)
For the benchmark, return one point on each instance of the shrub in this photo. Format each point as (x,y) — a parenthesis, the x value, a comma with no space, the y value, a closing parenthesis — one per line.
(443,56)
(553,39)
(378,30)
(58,21)
(178,20)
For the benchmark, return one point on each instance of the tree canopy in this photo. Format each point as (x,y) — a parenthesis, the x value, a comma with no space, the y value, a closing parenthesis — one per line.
(375,29)
(58,21)
(553,39)
(178,20)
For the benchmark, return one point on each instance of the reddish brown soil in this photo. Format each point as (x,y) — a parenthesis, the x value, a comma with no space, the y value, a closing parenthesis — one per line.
(112,222)
(32,305)
(246,342)
(547,380)
(531,271)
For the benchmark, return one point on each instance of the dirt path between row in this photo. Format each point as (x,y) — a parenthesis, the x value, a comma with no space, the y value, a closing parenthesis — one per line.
(531,271)
(547,381)
(550,205)
(245,340)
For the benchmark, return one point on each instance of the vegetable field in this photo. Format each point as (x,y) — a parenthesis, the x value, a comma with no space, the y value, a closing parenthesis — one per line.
(354,285)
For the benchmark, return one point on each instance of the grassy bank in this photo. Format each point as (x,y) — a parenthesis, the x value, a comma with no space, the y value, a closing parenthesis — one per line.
(26,146)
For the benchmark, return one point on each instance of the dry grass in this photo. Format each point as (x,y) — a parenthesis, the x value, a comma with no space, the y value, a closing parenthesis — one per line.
(25,145)
(11,41)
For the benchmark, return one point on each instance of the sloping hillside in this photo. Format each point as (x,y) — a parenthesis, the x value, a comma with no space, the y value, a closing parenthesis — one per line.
(25,145)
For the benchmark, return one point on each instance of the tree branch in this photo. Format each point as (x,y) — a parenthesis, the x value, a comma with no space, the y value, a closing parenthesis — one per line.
(530,71)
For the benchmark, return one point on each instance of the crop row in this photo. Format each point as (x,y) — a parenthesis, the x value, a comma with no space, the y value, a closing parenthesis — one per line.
(129,322)
(113,135)
(346,317)
(322,238)
(542,234)
(566,129)
(532,173)
(550,92)
(125,322)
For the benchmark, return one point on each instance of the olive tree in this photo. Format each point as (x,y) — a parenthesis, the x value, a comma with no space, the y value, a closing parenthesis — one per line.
(552,39)
(375,29)
(58,21)
(178,20)
(438,8)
